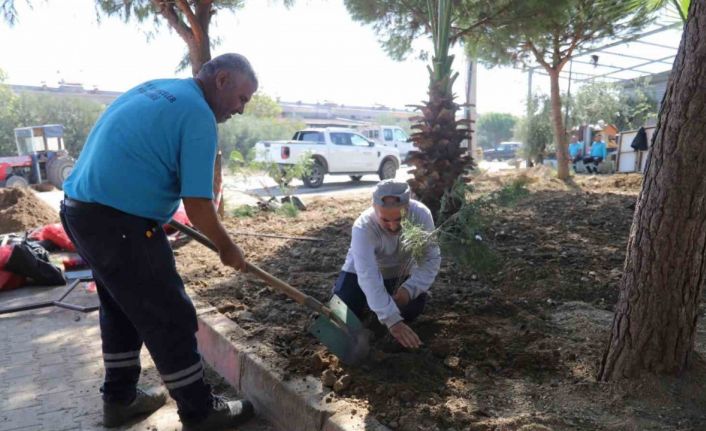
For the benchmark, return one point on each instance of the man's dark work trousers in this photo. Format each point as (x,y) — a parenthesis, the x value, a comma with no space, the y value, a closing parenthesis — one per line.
(348,289)
(142,299)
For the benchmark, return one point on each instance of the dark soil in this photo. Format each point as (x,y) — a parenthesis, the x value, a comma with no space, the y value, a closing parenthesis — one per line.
(21,210)
(516,348)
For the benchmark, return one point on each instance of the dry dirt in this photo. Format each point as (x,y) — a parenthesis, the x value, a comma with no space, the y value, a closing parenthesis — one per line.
(21,210)
(514,349)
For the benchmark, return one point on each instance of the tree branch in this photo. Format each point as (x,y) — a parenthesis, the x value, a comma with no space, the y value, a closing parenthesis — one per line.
(537,55)
(193,21)
(203,13)
(418,14)
(167,10)
(468,30)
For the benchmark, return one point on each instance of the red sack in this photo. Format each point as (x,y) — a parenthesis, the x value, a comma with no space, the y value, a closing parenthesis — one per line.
(5,252)
(9,280)
(56,234)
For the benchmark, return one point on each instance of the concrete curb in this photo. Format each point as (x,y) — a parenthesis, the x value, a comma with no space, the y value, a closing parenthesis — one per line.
(289,404)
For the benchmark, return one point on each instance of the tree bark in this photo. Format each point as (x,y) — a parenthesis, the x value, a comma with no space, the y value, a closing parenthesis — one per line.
(199,52)
(562,154)
(665,268)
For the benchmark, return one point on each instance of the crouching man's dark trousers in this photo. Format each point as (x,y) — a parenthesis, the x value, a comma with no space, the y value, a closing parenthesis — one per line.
(142,299)
(348,289)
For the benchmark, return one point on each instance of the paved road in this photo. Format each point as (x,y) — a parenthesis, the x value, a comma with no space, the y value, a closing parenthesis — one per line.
(241,190)
(52,369)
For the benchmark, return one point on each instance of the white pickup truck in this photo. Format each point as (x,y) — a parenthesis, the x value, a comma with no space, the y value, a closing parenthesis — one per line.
(336,151)
(390,136)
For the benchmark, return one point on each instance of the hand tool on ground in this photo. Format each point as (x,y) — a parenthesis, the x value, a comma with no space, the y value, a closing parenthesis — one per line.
(337,327)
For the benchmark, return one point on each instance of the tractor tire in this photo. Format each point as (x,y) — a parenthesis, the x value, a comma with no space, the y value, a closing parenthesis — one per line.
(59,170)
(17,181)
(316,177)
(388,170)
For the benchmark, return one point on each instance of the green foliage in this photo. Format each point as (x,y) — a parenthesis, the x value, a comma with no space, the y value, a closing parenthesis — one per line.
(283,175)
(678,8)
(189,23)
(263,106)
(242,132)
(244,211)
(460,236)
(8,119)
(398,23)
(76,115)
(536,130)
(494,128)
(288,209)
(549,31)
(627,109)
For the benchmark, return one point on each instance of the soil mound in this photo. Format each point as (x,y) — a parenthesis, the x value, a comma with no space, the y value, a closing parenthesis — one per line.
(21,209)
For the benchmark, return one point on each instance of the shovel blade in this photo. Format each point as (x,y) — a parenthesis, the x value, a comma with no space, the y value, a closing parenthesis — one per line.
(349,344)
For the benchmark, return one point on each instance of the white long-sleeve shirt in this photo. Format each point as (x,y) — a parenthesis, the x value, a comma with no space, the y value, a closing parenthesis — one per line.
(375,255)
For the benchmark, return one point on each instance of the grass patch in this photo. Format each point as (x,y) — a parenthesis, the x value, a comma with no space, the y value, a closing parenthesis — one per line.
(288,209)
(244,211)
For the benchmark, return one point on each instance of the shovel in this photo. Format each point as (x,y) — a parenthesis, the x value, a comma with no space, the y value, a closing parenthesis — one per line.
(337,327)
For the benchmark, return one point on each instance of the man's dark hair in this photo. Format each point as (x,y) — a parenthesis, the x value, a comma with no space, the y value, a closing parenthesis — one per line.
(232,62)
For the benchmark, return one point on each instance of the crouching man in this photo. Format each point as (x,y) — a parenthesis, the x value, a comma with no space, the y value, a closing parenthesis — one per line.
(377,274)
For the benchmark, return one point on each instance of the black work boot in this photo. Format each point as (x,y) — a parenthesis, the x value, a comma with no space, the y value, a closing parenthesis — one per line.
(223,415)
(116,414)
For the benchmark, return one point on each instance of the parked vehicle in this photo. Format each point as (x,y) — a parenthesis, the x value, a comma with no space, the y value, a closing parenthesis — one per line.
(41,158)
(336,151)
(504,151)
(391,136)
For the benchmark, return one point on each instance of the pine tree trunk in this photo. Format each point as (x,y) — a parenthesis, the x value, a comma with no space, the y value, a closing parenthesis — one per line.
(665,269)
(199,53)
(562,156)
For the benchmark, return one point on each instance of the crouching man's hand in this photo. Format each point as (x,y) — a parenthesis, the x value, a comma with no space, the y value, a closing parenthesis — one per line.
(232,256)
(405,335)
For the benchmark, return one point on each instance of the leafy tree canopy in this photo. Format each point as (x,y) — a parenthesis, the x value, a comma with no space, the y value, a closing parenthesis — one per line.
(494,127)
(399,22)
(549,31)
(627,109)
(263,106)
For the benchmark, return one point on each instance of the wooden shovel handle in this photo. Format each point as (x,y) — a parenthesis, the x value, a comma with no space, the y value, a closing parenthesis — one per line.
(270,279)
(278,284)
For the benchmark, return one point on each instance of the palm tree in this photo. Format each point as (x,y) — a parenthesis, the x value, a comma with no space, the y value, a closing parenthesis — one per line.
(681,7)
(440,160)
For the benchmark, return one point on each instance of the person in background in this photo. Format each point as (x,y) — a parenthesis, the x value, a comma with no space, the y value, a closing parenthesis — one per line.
(575,151)
(598,153)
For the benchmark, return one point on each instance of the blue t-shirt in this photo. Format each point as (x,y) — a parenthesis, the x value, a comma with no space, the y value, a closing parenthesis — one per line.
(599,149)
(152,146)
(575,148)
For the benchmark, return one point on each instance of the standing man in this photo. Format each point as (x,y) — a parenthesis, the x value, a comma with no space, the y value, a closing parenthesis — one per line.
(575,151)
(598,153)
(378,273)
(154,146)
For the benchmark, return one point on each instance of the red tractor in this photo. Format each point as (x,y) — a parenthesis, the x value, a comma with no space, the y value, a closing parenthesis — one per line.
(41,158)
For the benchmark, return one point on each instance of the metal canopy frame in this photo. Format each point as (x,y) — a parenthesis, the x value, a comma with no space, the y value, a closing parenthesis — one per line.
(586,65)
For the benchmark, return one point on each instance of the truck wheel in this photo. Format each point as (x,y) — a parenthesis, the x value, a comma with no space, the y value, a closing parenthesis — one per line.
(388,170)
(316,176)
(356,177)
(16,181)
(59,170)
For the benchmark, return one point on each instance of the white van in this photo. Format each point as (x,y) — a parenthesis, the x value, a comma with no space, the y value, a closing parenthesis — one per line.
(391,136)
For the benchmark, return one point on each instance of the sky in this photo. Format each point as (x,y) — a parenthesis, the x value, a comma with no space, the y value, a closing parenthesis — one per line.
(313,52)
